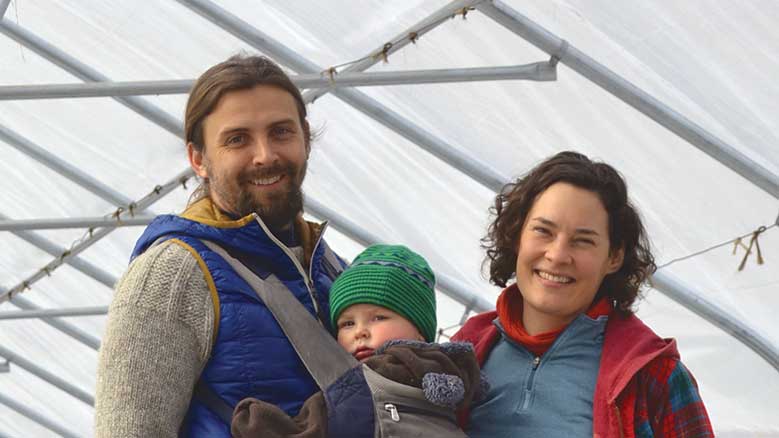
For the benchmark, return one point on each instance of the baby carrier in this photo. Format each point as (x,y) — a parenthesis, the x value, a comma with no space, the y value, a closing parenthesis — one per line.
(360,402)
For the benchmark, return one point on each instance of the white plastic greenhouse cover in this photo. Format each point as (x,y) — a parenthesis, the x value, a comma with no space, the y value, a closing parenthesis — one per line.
(714,61)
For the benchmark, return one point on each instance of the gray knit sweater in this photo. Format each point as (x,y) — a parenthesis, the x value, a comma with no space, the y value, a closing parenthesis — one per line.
(157,341)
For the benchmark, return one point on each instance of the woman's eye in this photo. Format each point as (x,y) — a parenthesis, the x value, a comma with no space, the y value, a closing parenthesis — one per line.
(281,131)
(541,230)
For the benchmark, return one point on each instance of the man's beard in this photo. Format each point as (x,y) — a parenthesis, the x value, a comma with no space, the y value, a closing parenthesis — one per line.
(278,209)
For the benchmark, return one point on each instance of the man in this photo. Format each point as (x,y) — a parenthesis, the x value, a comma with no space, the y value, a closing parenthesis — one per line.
(185,335)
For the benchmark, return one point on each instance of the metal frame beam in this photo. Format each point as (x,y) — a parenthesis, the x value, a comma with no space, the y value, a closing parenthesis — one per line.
(55,250)
(445,283)
(48,313)
(63,168)
(4,7)
(77,222)
(141,204)
(36,417)
(47,376)
(461,161)
(632,95)
(63,326)
(539,71)
(687,297)
(88,74)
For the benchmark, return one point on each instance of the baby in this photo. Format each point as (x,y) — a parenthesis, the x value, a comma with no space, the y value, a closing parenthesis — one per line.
(383,308)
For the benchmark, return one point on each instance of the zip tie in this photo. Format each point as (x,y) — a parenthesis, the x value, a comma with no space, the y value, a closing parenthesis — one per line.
(384,52)
(46,271)
(330,72)
(158,188)
(413,37)
(90,230)
(559,54)
(756,243)
(132,207)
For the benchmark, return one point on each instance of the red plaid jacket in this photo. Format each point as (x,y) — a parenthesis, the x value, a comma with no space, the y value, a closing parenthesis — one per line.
(643,389)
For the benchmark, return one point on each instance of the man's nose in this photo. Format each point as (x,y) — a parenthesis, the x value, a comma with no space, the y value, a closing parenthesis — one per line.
(264,152)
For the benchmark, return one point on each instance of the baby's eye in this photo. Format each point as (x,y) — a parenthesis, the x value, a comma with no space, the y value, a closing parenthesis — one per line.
(380,317)
(343,324)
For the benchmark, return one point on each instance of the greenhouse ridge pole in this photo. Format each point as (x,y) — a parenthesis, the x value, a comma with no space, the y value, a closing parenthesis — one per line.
(632,95)
(36,417)
(470,166)
(39,372)
(539,71)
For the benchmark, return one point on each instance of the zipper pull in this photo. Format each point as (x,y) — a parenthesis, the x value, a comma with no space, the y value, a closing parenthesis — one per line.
(536,361)
(393,411)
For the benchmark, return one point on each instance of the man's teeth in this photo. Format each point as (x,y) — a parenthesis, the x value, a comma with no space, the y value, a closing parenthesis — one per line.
(266,181)
(552,277)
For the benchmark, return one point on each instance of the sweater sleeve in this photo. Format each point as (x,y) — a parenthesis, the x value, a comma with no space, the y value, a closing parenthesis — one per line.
(670,404)
(158,339)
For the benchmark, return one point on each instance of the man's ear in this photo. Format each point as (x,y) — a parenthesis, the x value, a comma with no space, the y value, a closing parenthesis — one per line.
(307,135)
(616,259)
(196,160)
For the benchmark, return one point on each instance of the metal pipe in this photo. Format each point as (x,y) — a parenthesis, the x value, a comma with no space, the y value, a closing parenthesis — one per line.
(88,74)
(141,204)
(39,372)
(55,250)
(62,167)
(4,7)
(63,326)
(632,95)
(36,417)
(469,165)
(78,222)
(446,284)
(47,313)
(409,35)
(539,71)
(674,289)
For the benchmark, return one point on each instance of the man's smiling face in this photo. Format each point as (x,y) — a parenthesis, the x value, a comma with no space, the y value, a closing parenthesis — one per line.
(255,154)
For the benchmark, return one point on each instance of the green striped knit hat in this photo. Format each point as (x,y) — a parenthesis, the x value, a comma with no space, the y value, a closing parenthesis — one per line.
(390,276)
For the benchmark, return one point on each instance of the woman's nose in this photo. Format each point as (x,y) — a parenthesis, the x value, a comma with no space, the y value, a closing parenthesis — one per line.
(558,251)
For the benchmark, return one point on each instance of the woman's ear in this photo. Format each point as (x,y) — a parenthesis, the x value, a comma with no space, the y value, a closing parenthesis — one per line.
(616,258)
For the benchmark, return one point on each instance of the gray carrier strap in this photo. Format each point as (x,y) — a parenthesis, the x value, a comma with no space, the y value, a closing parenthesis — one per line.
(320,353)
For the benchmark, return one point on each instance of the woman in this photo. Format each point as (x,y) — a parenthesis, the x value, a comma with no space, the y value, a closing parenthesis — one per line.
(563,352)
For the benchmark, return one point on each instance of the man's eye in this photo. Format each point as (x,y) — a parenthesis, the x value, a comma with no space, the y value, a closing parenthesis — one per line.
(236,140)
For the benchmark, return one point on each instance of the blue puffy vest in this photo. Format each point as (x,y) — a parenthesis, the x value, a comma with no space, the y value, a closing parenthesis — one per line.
(250,357)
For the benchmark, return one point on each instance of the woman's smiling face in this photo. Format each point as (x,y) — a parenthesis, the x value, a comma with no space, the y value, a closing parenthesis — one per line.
(563,256)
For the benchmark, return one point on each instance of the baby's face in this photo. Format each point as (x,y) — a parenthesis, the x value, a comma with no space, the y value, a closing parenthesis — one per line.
(364,327)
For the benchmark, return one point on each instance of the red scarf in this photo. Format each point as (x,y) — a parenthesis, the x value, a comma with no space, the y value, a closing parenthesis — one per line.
(509,309)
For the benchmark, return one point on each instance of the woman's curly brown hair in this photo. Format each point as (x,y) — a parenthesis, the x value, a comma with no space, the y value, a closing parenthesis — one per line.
(626,231)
